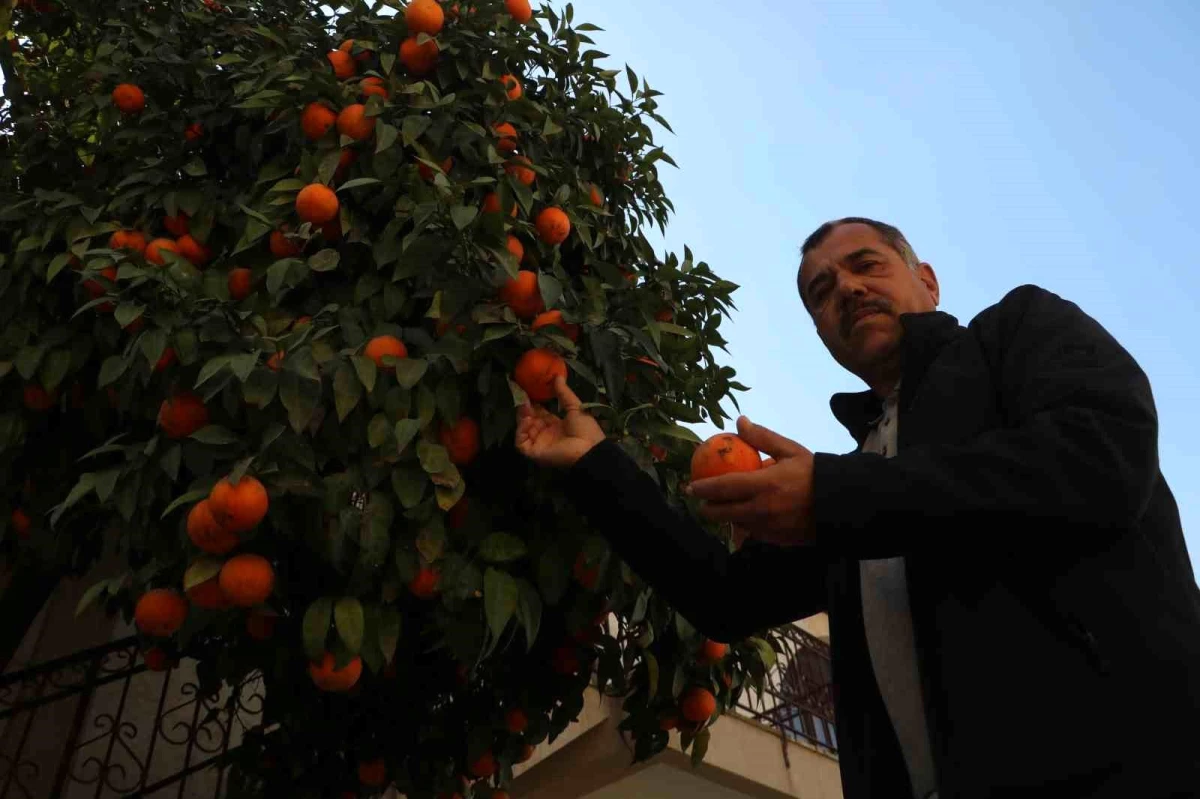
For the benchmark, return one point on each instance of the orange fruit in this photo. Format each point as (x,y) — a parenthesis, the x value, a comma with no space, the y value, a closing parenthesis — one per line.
(275,361)
(155,249)
(424,16)
(526,753)
(128,98)
(247,580)
(260,626)
(354,122)
(177,225)
(208,595)
(461,440)
(508,137)
(371,85)
(512,86)
(535,373)
(518,167)
(301,322)
(193,132)
(698,705)
(595,196)
(513,245)
(328,678)
(160,612)
(373,773)
(240,283)
(712,652)
(206,532)
(345,161)
(485,766)
(426,172)
(156,659)
(668,723)
(182,414)
(491,205)
(425,584)
(21,523)
(95,288)
(317,204)
(522,295)
(316,120)
(664,315)
(585,574)
(343,64)
(166,360)
(520,10)
(419,59)
(555,319)
(194,251)
(348,47)
(456,517)
(283,247)
(238,508)
(552,225)
(127,240)
(37,398)
(658,452)
(722,454)
(381,346)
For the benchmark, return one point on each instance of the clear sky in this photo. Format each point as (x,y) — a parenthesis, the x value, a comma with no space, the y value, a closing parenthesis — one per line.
(1013,143)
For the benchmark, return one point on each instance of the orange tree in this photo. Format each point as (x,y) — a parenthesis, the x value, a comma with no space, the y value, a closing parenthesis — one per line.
(275,279)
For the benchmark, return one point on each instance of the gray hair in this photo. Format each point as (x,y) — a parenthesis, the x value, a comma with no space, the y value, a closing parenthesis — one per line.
(890,234)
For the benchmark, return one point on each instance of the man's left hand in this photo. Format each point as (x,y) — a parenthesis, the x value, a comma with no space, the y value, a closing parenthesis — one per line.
(773,504)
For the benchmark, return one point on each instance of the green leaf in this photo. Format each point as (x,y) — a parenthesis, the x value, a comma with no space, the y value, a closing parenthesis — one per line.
(85,485)
(431,542)
(113,367)
(324,261)
(186,499)
(356,182)
(667,327)
(680,432)
(127,312)
(57,264)
(200,571)
(406,431)
(300,397)
(765,652)
(366,369)
(389,632)
(210,369)
(651,675)
(463,215)
(552,576)
(550,288)
(700,746)
(500,594)
(315,627)
(387,61)
(385,136)
(349,620)
(54,368)
(409,371)
(90,596)
(347,391)
(215,434)
(409,485)
(242,365)
(413,126)
(106,481)
(529,611)
(195,168)
(377,431)
(27,361)
(434,458)
(502,548)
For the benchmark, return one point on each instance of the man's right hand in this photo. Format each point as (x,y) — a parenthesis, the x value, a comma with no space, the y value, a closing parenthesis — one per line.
(549,440)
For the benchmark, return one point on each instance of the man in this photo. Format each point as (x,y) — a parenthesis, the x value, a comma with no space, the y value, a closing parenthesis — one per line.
(1012,609)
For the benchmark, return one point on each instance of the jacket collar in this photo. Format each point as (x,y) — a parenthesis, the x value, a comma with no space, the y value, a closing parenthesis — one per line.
(925,334)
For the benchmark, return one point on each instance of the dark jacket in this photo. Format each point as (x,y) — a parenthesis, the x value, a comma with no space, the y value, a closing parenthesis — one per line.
(1056,614)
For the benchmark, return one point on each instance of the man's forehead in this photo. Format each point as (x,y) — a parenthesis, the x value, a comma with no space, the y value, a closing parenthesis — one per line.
(841,241)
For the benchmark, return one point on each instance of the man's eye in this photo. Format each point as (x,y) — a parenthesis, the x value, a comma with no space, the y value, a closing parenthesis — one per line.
(865,266)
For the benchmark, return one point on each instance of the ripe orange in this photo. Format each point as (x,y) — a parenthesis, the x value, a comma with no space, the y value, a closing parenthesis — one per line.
(37,398)
(160,612)
(520,10)
(317,204)
(177,225)
(526,753)
(595,196)
(522,295)
(518,167)
(95,288)
(345,161)
(354,122)
(555,319)
(316,120)
(722,454)
(456,517)
(424,16)
(485,766)
(425,584)
(491,205)
(535,373)
(380,346)
(513,245)
(276,360)
(664,315)
(194,251)
(208,595)
(247,580)
(240,507)
(343,64)
(283,247)
(182,414)
(373,86)
(21,523)
(585,574)
(260,626)
(419,59)
(155,249)
(512,86)
(426,172)
(127,240)
(193,132)
(240,283)
(373,773)
(552,225)
(658,452)
(156,659)
(712,652)
(698,705)
(166,360)
(348,47)
(128,98)
(461,440)
(328,678)
(508,137)
(206,532)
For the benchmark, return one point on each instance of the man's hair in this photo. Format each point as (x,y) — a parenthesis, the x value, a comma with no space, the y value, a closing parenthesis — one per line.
(890,234)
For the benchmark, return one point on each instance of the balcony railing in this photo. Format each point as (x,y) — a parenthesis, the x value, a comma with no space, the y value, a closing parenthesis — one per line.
(797,698)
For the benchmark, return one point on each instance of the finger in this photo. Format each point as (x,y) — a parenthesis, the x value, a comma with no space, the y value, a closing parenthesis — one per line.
(567,399)
(525,410)
(731,487)
(768,462)
(766,440)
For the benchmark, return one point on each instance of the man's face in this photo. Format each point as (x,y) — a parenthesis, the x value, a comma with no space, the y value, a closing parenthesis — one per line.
(855,287)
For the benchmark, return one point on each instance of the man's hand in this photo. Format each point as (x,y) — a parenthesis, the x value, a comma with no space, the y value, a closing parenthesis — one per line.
(552,441)
(773,504)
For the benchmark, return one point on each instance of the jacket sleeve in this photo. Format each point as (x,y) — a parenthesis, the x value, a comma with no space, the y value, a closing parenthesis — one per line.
(1079,449)
(726,596)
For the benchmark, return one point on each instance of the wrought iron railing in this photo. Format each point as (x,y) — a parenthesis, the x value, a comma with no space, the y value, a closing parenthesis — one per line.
(797,698)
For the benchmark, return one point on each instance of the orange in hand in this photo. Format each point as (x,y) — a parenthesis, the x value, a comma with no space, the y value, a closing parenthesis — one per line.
(722,454)
(535,373)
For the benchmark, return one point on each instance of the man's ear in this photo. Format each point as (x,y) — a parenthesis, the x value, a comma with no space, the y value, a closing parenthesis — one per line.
(929,280)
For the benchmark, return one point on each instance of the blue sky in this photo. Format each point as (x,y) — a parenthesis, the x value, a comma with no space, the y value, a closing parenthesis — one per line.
(1022,144)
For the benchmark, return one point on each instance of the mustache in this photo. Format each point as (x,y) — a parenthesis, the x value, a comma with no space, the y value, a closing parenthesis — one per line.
(850,311)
